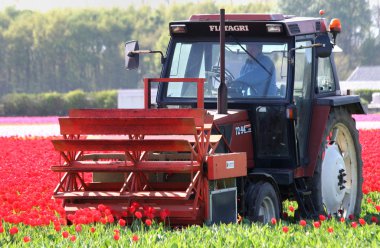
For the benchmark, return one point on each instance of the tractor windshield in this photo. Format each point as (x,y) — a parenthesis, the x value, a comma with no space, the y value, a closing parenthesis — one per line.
(253,69)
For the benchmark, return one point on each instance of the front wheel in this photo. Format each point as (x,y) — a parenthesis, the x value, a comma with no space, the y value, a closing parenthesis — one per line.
(262,202)
(337,180)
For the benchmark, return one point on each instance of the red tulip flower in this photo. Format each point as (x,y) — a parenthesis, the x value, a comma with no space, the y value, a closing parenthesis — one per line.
(135,238)
(354,224)
(65,234)
(110,219)
(102,207)
(131,209)
(57,228)
(13,230)
(285,229)
(108,212)
(26,239)
(273,221)
(136,205)
(317,224)
(303,223)
(138,214)
(362,222)
(322,217)
(164,214)
(122,222)
(78,228)
(149,212)
(148,222)
(374,219)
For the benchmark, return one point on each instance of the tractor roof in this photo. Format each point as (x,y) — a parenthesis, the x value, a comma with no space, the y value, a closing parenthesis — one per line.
(290,25)
(238,17)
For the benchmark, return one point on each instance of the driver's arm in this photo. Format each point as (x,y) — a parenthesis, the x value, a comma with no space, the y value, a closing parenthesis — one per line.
(253,77)
(256,72)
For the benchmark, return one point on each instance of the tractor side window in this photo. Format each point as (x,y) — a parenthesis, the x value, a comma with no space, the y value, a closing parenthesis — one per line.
(302,95)
(325,76)
(178,68)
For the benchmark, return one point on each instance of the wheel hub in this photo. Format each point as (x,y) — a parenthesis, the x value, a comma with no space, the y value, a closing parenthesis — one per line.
(266,210)
(342,175)
(333,179)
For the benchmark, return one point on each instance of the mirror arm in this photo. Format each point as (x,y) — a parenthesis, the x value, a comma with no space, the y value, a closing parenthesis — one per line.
(163,59)
(133,53)
(290,58)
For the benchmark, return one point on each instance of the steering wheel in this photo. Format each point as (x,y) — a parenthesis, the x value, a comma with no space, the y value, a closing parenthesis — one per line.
(215,73)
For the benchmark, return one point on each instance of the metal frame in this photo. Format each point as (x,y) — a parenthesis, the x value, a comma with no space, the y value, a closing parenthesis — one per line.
(136,134)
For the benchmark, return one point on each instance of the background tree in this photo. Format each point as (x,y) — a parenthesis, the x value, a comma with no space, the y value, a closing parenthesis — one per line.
(355,17)
(63,50)
(370,49)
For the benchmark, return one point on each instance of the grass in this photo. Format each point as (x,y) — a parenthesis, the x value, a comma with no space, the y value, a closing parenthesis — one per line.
(232,235)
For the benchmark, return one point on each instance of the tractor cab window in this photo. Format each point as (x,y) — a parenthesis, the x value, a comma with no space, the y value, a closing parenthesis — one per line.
(253,69)
(325,76)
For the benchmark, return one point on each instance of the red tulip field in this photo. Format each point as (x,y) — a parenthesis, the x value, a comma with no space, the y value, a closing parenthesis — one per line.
(30,218)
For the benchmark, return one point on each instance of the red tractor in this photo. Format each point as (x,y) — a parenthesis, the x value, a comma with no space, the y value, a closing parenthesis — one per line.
(234,131)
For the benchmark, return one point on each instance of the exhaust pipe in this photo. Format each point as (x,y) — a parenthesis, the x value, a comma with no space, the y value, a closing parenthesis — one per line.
(222,103)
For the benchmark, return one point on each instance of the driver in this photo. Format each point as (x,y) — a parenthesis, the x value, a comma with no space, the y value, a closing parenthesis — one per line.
(258,72)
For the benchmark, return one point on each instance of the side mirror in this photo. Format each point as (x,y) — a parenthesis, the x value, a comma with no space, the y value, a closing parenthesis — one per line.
(131,58)
(323,46)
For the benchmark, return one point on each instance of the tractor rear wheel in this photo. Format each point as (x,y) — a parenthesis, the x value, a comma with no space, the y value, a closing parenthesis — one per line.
(262,202)
(337,180)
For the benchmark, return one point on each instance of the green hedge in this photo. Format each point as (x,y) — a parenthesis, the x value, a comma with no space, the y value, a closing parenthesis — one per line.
(53,103)
(365,94)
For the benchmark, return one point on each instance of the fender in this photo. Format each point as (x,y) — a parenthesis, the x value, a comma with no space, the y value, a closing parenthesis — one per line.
(262,176)
(256,176)
(352,103)
(321,109)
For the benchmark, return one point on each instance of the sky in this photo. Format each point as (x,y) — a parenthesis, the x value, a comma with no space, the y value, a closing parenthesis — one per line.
(45,5)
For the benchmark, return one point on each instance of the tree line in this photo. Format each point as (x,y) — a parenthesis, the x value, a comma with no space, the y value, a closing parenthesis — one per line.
(67,49)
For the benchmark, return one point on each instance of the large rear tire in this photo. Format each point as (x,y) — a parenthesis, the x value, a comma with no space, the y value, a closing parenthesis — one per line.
(262,202)
(337,180)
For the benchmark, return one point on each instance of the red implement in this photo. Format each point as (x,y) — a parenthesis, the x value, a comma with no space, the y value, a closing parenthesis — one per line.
(151,156)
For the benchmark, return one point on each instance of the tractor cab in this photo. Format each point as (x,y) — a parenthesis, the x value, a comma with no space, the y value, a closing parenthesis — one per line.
(275,76)
(275,65)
